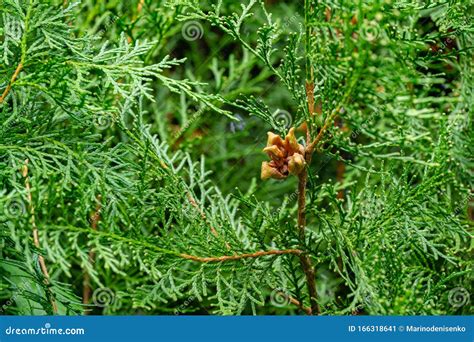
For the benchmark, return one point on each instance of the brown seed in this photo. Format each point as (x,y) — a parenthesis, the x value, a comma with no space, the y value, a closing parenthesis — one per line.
(268,171)
(296,164)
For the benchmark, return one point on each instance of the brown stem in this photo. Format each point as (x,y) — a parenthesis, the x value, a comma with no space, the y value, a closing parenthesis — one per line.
(295,302)
(310,148)
(305,261)
(94,219)
(241,256)
(302,204)
(193,257)
(340,173)
(340,166)
(36,239)
(12,80)
(302,178)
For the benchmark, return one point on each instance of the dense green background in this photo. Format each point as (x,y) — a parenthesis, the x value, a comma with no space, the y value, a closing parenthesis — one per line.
(97,113)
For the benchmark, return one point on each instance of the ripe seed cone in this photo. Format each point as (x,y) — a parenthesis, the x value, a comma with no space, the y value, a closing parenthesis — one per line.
(287,156)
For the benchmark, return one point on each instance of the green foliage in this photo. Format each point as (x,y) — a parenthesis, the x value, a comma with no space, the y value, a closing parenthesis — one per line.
(142,124)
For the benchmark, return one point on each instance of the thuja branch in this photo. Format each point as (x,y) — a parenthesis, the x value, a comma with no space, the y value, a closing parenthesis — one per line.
(305,261)
(302,175)
(23,53)
(36,240)
(289,157)
(242,256)
(163,251)
(302,179)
